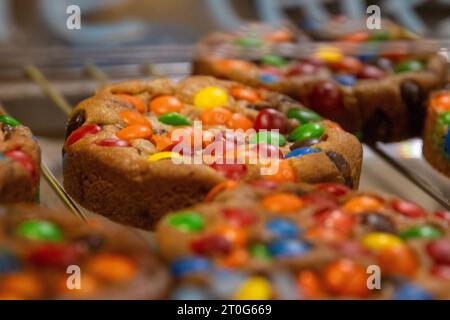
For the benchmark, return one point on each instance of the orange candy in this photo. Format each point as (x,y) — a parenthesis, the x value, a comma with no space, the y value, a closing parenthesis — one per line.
(88,286)
(22,284)
(132,118)
(325,234)
(356,37)
(362,204)
(136,102)
(239,121)
(345,278)
(236,258)
(165,104)
(225,65)
(243,93)
(310,285)
(279,36)
(441,101)
(215,116)
(161,142)
(236,236)
(228,184)
(112,267)
(282,202)
(285,173)
(348,64)
(398,260)
(135,131)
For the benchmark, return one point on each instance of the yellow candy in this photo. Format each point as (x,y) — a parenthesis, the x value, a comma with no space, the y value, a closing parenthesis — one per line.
(329,54)
(256,288)
(381,241)
(211,97)
(163,155)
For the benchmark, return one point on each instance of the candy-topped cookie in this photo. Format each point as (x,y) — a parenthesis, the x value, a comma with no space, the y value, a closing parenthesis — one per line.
(20,158)
(265,240)
(139,149)
(54,255)
(436,139)
(380,96)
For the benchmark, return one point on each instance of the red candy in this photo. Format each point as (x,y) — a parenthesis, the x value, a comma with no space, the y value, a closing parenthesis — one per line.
(231,171)
(303,68)
(265,184)
(335,189)
(54,255)
(326,98)
(441,271)
(81,132)
(212,244)
(439,250)
(445,215)
(112,143)
(408,209)
(240,217)
(25,160)
(370,72)
(270,119)
(320,202)
(336,220)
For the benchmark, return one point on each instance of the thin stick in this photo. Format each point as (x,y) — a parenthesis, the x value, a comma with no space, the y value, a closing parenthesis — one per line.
(96,73)
(70,204)
(36,75)
(411,176)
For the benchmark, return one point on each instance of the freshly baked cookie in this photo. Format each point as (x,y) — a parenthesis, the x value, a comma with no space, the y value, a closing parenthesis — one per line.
(54,255)
(290,241)
(20,159)
(379,96)
(436,139)
(122,158)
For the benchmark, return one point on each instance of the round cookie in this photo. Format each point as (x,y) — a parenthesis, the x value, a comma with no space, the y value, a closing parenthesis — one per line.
(436,138)
(54,255)
(291,241)
(20,158)
(381,97)
(124,140)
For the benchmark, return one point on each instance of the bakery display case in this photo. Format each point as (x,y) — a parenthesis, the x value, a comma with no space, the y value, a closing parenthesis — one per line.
(362,145)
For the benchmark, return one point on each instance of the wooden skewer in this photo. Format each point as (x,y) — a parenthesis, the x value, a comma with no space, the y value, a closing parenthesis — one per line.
(96,73)
(36,75)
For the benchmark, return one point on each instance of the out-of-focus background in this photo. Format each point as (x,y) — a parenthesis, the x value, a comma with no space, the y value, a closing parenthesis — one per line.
(45,66)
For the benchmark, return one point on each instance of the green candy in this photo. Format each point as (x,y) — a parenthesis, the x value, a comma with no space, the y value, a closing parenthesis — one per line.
(273,60)
(268,137)
(379,36)
(174,119)
(302,115)
(444,118)
(408,65)
(248,42)
(424,231)
(259,251)
(188,221)
(9,120)
(306,131)
(39,230)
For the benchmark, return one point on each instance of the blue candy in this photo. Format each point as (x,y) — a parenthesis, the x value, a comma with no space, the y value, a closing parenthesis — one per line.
(289,248)
(190,293)
(185,266)
(345,79)
(8,262)
(225,283)
(268,78)
(447,142)
(301,152)
(282,228)
(409,291)
(2,156)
